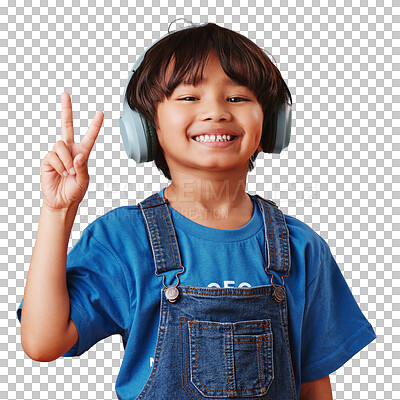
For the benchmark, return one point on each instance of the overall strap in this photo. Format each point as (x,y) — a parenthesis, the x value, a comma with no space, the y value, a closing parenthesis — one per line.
(165,246)
(276,236)
(161,232)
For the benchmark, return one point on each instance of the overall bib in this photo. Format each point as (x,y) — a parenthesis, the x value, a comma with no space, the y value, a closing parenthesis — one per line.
(216,343)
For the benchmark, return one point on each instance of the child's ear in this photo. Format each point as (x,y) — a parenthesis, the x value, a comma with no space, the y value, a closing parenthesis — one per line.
(259,148)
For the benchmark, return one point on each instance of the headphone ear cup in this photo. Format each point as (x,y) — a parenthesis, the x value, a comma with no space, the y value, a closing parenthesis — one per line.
(152,139)
(276,132)
(138,135)
(283,128)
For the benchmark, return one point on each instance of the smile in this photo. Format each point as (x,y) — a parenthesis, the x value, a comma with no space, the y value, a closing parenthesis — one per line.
(214,138)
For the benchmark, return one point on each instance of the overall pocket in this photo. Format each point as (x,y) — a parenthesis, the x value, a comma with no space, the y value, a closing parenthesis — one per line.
(231,359)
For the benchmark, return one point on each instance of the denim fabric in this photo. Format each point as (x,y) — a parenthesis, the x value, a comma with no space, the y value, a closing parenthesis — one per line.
(231,358)
(220,343)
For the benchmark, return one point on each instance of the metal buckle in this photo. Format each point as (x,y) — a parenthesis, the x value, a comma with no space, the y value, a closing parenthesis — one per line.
(172,291)
(279,293)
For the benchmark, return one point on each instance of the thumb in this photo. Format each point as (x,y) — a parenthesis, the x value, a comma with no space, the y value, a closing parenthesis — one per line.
(80,165)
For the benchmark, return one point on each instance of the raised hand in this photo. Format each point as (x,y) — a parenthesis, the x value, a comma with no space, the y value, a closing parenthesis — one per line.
(64,170)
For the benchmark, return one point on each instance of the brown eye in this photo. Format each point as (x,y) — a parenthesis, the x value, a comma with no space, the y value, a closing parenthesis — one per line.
(237,98)
(187,97)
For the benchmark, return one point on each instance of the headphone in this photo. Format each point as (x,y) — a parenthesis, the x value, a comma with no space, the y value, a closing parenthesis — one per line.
(140,137)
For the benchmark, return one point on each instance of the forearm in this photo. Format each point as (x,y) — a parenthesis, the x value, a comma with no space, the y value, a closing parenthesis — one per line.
(320,389)
(46,307)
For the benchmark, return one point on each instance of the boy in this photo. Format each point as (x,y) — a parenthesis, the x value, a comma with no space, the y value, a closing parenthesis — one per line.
(219,329)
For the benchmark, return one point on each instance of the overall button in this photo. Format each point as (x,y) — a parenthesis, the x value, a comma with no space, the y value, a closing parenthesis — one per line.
(279,294)
(172,293)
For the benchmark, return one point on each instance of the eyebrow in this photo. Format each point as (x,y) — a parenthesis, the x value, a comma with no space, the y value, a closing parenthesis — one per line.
(226,81)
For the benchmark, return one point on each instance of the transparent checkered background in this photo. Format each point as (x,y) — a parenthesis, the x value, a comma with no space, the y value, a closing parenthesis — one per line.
(340,173)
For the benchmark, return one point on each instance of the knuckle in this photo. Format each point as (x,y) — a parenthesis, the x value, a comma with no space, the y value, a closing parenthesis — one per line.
(56,145)
(67,123)
(53,158)
(48,156)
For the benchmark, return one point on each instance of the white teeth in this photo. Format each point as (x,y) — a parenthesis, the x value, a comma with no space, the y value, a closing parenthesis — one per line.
(213,138)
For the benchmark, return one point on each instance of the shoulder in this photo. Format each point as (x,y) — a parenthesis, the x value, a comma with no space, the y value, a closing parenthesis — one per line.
(115,240)
(302,234)
(118,219)
(307,246)
(117,214)
(118,228)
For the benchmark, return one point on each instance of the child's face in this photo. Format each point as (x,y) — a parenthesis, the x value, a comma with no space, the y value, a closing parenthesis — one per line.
(216,103)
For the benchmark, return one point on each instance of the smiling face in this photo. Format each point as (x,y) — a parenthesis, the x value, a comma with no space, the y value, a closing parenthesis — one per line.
(216,106)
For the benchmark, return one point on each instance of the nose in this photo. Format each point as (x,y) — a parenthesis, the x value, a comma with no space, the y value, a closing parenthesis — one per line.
(215,110)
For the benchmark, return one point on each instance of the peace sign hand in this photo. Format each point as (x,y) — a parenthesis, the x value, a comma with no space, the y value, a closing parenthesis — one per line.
(64,170)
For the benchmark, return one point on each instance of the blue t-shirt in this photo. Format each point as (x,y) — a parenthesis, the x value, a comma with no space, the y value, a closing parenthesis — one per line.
(113,289)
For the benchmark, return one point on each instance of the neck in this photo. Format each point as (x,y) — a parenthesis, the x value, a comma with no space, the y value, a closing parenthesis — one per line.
(211,199)
(211,193)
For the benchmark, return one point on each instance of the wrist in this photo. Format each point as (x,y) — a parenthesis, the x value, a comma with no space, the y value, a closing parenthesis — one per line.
(64,216)
(59,211)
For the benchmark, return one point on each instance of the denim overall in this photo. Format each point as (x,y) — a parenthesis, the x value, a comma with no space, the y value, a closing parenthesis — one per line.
(220,343)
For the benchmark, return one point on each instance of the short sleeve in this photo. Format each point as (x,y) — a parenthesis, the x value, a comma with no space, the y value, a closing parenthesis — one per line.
(98,291)
(334,327)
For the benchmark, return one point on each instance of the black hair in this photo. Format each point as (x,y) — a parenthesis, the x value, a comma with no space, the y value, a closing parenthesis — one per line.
(240,58)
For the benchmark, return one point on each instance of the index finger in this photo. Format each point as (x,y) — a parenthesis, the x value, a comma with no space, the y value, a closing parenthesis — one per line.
(93,131)
(67,127)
